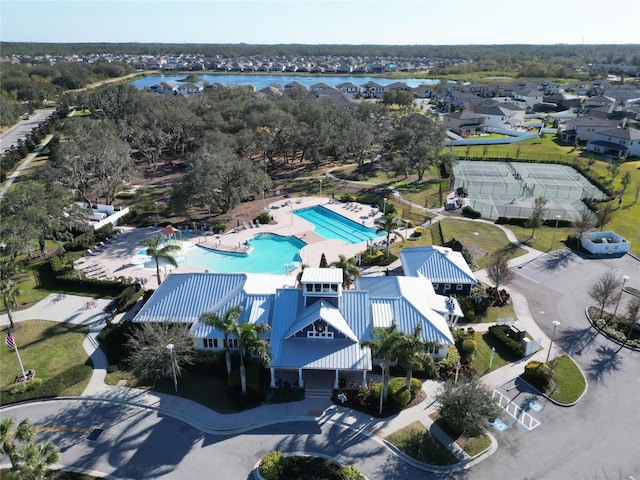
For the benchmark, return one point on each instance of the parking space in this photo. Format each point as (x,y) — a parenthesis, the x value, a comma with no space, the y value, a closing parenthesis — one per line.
(523,405)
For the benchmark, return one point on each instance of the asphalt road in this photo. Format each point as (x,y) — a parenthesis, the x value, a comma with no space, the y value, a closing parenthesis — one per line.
(22,128)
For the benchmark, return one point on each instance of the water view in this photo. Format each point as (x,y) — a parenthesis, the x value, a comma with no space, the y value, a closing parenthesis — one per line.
(259,81)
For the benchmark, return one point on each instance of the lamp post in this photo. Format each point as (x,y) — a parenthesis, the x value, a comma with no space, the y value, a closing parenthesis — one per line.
(383,367)
(624,280)
(320,187)
(473,252)
(553,237)
(493,352)
(384,207)
(553,336)
(173,366)
(458,365)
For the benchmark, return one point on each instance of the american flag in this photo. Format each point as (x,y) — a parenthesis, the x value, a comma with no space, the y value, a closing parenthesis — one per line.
(9,340)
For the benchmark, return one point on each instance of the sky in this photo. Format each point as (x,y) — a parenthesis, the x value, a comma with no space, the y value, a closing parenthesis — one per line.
(385,22)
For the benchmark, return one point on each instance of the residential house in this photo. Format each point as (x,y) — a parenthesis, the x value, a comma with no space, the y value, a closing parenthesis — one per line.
(316,327)
(166,88)
(584,129)
(527,97)
(372,90)
(500,115)
(349,88)
(616,142)
(446,269)
(465,122)
(189,88)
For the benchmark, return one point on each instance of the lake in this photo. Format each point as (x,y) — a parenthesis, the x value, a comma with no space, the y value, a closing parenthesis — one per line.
(259,81)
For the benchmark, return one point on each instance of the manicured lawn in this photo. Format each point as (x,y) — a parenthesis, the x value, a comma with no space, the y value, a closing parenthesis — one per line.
(416,441)
(542,237)
(55,351)
(484,342)
(570,382)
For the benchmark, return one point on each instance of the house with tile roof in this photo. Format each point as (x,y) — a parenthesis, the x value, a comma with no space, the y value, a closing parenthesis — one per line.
(316,326)
(446,269)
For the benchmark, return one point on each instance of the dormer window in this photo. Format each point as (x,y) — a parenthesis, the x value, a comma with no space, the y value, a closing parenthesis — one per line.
(320,330)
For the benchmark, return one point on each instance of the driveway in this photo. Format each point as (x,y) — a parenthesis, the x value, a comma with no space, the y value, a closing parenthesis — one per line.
(21,129)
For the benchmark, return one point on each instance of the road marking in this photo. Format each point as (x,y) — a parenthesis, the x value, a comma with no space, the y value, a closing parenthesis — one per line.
(65,429)
(526,276)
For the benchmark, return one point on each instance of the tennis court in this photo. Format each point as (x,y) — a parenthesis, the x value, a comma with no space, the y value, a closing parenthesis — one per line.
(508,189)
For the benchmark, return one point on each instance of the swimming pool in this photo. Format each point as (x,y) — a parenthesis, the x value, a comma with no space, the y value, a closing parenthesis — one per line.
(270,253)
(334,226)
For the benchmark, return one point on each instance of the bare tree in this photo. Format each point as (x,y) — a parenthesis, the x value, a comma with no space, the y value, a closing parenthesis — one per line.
(605,290)
(499,272)
(604,215)
(636,192)
(585,222)
(633,314)
(537,214)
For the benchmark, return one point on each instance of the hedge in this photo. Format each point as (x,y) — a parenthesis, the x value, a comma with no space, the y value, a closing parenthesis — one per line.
(500,332)
(470,212)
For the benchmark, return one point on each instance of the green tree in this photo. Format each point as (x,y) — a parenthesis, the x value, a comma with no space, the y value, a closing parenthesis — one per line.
(8,437)
(34,460)
(323,261)
(350,270)
(248,335)
(9,291)
(149,356)
(537,214)
(158,251)
(465,407)
(389,224)
(228,324)
(383,345)
(413,353)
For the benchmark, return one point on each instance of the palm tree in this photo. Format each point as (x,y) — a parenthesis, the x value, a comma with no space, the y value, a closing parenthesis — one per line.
(350,270)
(159,252)
(412,352)
(249,341)
(383,345)
(388,224)
(323,261)
(299,276)
(228,323)
(9,291)
(24,433)
(34,460)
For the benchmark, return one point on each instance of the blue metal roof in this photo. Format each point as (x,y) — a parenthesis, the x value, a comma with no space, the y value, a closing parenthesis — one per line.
(438,264)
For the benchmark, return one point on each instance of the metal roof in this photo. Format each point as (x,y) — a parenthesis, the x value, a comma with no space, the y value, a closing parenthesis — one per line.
(438,264)
(322,275)
(328,313)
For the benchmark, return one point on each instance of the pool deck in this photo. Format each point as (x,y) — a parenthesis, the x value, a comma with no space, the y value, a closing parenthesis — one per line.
(117,256)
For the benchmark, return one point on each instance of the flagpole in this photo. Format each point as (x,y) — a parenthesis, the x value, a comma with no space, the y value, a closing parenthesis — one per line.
(15,347)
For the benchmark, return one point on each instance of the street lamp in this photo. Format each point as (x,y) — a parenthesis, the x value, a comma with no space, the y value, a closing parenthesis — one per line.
(473,252)
(173,366)
(493,352)
(320,187)
(553,238)
(624,280)
(383,366)
(458,365)
(553,336)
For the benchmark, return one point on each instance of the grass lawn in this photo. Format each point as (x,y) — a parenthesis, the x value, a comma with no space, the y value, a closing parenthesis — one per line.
(570,382)
(542,238)
(416,441)
(484,342)
(471,445)
(55,351)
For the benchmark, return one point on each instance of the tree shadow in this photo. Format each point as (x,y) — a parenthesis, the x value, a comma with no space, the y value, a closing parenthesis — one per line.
(574,340)
(607,362)
(558,259)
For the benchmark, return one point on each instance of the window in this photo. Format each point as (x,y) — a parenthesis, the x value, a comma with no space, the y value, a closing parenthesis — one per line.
(210,342)
(447,286)
(319,330)
(233,343)
(458,287)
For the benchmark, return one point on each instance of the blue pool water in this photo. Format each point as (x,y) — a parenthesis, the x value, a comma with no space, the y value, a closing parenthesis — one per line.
(333,226)
(270,253)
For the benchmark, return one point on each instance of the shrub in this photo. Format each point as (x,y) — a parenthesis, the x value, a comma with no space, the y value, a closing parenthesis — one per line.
(348,472)
(103,232)
(272,465)
(538,374)
(347,197)
(219,227)
(446,365)
(500,332)
(264,218)
(469,347)
(416,386)
(398,395)
(469,212)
